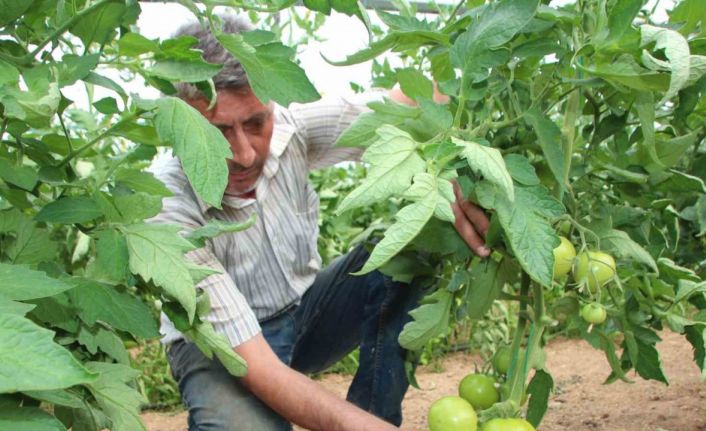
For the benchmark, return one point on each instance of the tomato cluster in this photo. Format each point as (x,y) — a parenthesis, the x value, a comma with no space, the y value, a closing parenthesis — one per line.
(476,392)
(592,269)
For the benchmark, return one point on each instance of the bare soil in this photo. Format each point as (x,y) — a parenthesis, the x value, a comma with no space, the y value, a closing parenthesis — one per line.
(580,401)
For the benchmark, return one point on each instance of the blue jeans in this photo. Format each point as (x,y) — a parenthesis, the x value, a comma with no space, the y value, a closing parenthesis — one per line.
(338,313)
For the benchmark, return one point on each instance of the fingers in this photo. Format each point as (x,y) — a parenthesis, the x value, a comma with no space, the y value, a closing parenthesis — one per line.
(473,212)
(468,232)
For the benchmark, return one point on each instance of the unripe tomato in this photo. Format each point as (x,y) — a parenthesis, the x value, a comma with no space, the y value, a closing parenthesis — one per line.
(479,390)
(509,424)
(594,268)
(452,414)
(564,255)
(502,359)
(594,313)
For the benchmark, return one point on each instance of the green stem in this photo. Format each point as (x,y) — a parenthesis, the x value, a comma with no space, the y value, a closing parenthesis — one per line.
(454,12)
(459,110)
(66,134)
(513,377)
(27,59)
(97,139)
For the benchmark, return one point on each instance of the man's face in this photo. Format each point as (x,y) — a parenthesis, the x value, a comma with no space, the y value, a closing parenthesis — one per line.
(247,125)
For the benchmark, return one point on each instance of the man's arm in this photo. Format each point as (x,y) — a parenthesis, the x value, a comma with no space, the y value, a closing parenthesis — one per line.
(298,398)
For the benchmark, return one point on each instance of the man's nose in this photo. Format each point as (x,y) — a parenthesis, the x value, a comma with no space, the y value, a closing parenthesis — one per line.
(243,152)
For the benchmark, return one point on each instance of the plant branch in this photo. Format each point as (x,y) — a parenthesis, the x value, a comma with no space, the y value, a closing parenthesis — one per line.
(27,59)
(98,138)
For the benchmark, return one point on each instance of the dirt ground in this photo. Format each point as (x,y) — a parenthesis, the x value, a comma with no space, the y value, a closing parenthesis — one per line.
(579,403)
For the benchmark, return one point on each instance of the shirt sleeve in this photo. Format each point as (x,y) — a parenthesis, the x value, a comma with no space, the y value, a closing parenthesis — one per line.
(230,313)
(324,121)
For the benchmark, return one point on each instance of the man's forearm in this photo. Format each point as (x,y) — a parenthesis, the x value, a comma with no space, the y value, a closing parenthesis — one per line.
(297,398)
(306,403)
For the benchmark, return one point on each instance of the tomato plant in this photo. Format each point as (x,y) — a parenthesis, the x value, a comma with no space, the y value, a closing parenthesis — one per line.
(502,359)
(452,414)
(589,116)
(479,390)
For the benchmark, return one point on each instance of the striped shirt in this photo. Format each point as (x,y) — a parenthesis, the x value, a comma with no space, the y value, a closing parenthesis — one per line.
(268,267)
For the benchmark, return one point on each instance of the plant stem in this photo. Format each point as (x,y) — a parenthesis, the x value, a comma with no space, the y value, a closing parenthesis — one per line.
(98,138)
(454,12)
(516,379)
(27,59)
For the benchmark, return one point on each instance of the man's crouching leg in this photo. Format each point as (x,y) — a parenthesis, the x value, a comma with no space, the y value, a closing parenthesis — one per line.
(216,400)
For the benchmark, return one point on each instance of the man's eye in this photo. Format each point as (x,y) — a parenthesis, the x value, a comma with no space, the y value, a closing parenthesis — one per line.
(254,125)
(223,129)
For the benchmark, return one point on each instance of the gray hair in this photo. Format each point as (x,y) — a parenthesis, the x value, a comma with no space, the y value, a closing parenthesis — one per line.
(232,75)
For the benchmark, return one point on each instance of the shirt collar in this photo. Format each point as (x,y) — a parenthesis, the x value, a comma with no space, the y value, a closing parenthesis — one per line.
(281,135)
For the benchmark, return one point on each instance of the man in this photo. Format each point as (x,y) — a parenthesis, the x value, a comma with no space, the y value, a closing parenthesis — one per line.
(283,314)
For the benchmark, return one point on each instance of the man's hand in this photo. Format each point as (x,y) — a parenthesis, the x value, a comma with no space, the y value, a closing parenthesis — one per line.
(298,398)
(471,222)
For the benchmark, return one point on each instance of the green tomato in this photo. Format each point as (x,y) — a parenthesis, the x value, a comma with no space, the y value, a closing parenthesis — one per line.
(502,359)
(509,424)
(564,255)
(594,268)
(594,313)
(452,414)
(479,390)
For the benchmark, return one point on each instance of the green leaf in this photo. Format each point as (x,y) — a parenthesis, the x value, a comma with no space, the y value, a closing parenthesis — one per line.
(184,71)
(625,72)
(141,181)
(29,419)
(134,44)
(431,319)
(649,364)
(487,280)
(75,67)
(11,10)
(414,84)
(122,311)
(488,162)
(620,19)
(21,176)
(9,75)
(19,283)
(688,288)
(32,361)
(271,73)
(676,49)
(111,262)
(145,135)
(620,244)
(32,244)
(72,209)
(527,224)
(209,342)
(201,147)
(696,335)
(135,207)
(60,397)
(216,227)
(120,402)
(496,25)
(102,81)
(393,162)
(692,14)
(549,136)
(107,106)
(433,197)
(396,40)
(362,132)
(156,254)
(521,170)
(539,390)
(99,24)
(12,307)
(322,6)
